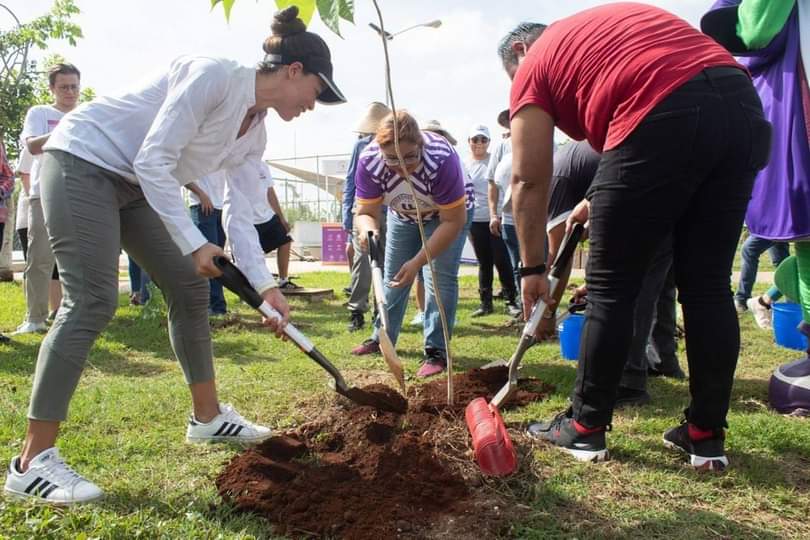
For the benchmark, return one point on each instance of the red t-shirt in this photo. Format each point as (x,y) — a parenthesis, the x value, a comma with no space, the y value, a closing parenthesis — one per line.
(600,71)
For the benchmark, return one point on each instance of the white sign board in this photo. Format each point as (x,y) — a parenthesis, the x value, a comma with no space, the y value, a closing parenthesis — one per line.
(335,167)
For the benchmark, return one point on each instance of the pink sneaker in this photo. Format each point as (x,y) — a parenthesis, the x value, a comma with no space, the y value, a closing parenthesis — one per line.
(433,364)
(369,346)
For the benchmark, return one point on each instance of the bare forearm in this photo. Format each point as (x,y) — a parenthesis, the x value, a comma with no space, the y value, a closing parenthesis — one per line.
(367,219)
(529,206)
(26,182)
(441,239)
(195,189)
(272,200)
(493,196)
(35,144)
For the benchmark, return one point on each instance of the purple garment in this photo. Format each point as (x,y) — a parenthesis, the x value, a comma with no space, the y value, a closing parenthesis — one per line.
(440,181)
(780,203)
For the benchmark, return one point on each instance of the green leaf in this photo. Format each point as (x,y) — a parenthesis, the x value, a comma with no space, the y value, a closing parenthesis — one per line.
(346,10)
(226,4)
(306,8)
(329,10)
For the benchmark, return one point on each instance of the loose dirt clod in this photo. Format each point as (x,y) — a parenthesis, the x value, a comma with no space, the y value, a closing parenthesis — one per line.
(360,473)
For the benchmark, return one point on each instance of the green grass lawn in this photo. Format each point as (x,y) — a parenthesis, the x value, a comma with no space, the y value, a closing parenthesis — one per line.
(127,422)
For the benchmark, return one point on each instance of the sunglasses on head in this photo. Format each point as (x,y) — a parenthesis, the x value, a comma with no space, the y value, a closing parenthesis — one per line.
(479,139)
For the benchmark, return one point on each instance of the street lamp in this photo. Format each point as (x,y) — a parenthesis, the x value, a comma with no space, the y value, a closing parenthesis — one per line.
(389,36)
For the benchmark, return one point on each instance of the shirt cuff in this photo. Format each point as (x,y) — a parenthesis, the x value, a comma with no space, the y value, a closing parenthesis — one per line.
(190,240)
(266,286)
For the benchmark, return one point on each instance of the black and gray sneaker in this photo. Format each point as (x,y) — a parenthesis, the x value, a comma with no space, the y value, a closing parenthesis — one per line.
(705,448)
(286,284)
(570,437)
(356,321)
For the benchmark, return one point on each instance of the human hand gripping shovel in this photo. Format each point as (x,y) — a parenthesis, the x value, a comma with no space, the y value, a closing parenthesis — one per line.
(233,279)
(492,445)
(389,352)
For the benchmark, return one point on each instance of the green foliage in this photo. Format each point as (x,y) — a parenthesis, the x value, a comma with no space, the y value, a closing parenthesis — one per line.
(19,87)
(330,11)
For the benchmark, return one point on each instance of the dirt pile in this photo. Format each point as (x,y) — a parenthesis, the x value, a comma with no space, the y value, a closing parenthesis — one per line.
(356,472)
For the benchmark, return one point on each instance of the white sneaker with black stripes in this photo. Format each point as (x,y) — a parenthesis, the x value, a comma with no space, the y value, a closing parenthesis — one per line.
(49,480)
(228,426)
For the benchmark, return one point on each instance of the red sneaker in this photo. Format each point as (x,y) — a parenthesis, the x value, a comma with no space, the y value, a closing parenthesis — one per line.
(433,364)
(369,346)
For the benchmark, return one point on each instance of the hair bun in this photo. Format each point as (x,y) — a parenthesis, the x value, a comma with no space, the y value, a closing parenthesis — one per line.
(286,22)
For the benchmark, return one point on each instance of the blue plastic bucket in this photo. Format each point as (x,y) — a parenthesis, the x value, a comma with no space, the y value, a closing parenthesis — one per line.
(570,331)
(786,318)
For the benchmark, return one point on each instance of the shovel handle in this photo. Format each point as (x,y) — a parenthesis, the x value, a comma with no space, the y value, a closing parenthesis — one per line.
(560,262)
(374,249)
(235,281)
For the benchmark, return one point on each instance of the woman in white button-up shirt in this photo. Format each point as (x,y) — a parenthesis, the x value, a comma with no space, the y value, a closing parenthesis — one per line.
(111,178)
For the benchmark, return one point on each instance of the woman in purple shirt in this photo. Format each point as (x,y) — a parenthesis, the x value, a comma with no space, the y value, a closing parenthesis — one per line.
(446,204)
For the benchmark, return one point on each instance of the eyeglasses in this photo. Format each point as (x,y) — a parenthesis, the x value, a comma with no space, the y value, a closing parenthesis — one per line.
(68,87)
(479,139)
(410,159)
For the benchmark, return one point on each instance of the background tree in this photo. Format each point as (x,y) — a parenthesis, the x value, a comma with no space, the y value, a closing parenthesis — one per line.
(330,11)
(19,77)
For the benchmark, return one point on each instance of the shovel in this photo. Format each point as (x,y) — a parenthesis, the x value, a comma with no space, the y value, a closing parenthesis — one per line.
(389,352)
(233,279)
(492,445)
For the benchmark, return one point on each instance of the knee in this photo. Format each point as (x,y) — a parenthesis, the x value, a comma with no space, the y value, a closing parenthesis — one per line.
(192,293)
(94,310)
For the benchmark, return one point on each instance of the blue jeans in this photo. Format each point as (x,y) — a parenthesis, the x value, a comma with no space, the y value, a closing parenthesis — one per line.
(509,234)
(138,280)
(402,244)
(752,248)
(211,227)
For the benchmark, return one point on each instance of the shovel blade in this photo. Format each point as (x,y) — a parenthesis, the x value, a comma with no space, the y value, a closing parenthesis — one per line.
(389,353)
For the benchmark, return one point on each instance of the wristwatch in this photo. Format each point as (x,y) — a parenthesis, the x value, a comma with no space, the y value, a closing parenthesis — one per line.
(524,271)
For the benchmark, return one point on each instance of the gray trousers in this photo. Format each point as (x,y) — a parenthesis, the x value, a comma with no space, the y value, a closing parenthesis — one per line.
(91,213)
(361,272)
(38,265)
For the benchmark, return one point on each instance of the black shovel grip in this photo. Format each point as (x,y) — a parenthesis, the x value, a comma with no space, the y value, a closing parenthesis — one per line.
(234,280)
(567,250)
(374,248)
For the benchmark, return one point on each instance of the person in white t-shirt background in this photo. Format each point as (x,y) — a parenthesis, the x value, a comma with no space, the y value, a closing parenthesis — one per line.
(206,198)
(41,275)
(111,178)
(489,249)
(23,171)
(255,181)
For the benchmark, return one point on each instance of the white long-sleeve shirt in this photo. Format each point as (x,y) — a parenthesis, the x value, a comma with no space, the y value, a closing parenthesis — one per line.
(172,130)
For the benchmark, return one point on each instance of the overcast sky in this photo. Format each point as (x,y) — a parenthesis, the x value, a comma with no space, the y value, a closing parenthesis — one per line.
(451,73)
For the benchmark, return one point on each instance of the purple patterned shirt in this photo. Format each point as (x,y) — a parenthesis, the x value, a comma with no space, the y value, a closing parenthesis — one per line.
(440,182)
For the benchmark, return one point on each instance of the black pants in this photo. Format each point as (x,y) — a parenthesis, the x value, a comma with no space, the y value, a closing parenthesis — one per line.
(490,249)
(23,234)
(686,172)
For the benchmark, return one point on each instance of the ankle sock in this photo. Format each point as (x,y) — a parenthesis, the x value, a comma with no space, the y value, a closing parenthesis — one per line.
(582,430)
(697,434)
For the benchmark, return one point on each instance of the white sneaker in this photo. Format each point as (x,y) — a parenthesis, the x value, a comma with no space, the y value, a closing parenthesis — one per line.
(418,319)
(30,328)
(762,315)
(49,480)
(229,426)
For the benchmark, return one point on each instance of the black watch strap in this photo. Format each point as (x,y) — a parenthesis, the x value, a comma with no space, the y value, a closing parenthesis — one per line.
(531,270)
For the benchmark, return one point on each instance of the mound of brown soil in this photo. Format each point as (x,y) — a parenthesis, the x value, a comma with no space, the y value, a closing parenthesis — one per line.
(360,473)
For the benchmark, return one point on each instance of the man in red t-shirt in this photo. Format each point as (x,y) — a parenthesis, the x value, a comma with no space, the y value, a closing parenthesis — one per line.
(682,136)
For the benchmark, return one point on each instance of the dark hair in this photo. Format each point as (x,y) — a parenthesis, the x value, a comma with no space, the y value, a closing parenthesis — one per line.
(526,32)
(62,69)
(290,42)
(408,129)
(503,119)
